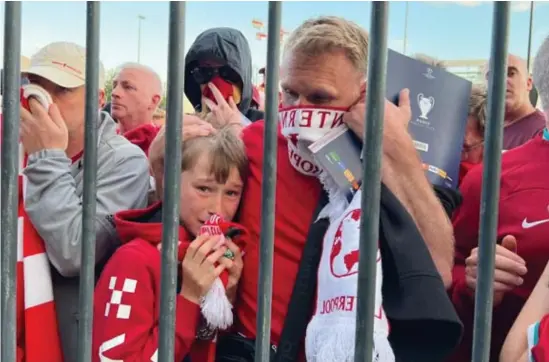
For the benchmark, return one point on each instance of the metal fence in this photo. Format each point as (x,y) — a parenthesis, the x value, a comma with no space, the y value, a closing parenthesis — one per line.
(371,194)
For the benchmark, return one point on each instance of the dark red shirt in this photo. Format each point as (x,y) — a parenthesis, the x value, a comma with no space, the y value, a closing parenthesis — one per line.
(523,213)
(523,130)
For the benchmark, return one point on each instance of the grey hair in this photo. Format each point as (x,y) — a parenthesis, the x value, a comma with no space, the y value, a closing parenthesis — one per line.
(144,68)
(434,62)
(540,73)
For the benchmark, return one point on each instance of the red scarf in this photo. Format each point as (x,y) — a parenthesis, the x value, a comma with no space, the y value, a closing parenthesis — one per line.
(204,350)
(38,334)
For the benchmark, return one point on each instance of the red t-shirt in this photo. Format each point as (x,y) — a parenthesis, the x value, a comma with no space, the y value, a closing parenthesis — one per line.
(523,213)
(296,199)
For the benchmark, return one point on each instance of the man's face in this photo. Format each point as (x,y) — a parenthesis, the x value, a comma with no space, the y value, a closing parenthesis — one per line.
(328,79)
(473,143)
(202,196)
(133,95)
(519,84)
(71,101)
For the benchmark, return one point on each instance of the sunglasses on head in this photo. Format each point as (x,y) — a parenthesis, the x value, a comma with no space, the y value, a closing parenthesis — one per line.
(203,75)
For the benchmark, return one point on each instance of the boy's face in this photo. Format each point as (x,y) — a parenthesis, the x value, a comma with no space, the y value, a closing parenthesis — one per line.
(202,196)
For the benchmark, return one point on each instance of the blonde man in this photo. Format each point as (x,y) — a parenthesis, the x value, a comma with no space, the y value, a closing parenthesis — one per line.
(323,73)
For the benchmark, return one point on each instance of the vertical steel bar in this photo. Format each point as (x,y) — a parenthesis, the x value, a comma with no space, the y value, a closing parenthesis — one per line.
(369,222)
(491,182)
(10,171)
(172,180)
(268,189)
(87,276)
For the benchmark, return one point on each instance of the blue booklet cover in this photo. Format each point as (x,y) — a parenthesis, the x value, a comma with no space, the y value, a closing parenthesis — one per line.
(439,102)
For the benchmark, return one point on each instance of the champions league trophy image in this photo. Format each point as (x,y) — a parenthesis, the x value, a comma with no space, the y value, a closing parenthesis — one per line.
(425,105)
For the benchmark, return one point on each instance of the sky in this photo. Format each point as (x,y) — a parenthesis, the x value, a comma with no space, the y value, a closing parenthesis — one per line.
(445,30)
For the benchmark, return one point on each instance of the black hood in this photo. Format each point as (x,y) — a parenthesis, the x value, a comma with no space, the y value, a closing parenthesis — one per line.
(229,46)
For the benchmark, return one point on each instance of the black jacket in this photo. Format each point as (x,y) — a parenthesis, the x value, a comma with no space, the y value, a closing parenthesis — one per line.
(424,324)
(230,47)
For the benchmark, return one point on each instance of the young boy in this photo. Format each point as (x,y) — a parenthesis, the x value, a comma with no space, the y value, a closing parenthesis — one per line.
(127,296)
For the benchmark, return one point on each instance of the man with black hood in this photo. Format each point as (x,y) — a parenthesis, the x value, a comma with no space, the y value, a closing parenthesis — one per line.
(222,57)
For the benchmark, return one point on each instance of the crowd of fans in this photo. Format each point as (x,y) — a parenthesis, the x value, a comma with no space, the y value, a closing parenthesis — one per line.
(428,249)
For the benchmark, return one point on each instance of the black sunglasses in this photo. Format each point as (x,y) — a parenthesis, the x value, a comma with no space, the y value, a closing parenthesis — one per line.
(203,75)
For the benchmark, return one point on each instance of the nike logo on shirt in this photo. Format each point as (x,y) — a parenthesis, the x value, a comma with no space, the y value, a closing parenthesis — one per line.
(528,225)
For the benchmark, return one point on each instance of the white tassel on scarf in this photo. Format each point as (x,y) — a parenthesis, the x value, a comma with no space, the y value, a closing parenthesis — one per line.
(216,308)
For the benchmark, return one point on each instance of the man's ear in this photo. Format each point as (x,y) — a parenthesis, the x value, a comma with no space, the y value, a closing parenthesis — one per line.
(529,83)
(101,98)
(156,100)
(363,88)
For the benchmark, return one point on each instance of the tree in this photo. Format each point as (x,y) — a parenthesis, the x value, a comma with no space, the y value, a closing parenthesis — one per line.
(108,83)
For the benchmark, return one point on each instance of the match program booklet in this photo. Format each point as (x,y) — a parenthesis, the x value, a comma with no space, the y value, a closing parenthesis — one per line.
(439,102)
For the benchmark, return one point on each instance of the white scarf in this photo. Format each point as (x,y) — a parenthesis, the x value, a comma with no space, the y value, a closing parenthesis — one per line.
(331,332)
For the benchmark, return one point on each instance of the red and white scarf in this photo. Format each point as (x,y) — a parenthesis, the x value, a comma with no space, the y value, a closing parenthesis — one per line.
(38,333)
(331,332)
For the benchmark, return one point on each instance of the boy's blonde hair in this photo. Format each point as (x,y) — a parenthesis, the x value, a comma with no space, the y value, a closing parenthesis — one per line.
(224,149)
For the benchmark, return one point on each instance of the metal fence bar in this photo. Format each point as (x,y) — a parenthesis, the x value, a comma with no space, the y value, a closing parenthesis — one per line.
(491,183)
(10,171)
(369,222)
(172,181)
(89,200)
(268,188)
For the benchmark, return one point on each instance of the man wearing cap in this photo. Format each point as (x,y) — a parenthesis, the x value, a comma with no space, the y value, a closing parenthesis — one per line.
(53,141)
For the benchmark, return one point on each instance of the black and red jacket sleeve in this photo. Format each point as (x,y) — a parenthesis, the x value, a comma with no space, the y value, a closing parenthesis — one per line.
(126,308)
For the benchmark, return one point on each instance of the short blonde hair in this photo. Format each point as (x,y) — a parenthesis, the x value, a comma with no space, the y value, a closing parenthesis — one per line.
(331,33)
(477,106)
(224,149)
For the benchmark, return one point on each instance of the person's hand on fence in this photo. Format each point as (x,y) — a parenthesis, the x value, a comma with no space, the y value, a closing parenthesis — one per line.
(509,268)
(226,113)
(199,269)
(234,265)
(43,129)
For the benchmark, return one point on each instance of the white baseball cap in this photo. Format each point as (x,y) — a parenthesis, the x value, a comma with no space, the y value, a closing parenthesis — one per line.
(64,64)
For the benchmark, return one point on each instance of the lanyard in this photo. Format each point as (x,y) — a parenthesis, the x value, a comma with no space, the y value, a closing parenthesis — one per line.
(546,134)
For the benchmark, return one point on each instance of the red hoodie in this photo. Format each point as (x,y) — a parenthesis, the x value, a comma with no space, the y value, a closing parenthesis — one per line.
(524,213)
(127,297)
(143,136)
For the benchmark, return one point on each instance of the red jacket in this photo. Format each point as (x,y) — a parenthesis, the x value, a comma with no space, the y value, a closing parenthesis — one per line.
(524,213)
(127,297)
